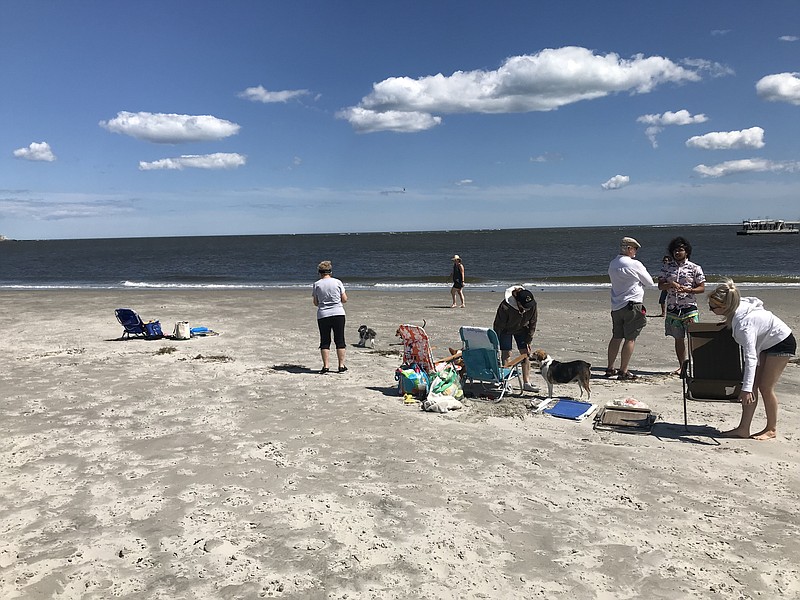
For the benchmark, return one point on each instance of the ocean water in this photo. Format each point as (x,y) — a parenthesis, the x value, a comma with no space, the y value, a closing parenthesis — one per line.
(550,259)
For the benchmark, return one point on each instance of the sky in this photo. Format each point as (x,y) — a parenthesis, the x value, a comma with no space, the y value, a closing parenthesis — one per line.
(174,118)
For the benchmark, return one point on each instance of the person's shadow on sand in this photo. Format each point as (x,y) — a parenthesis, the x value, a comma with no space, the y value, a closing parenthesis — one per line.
(295,369)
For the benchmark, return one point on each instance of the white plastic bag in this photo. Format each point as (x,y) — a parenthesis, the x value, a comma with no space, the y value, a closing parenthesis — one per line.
(440,404)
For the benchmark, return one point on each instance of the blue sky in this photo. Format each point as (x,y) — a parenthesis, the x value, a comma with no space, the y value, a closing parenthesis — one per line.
(153,118)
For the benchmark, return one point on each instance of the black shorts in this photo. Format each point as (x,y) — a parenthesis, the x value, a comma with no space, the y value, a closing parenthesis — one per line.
(786,347)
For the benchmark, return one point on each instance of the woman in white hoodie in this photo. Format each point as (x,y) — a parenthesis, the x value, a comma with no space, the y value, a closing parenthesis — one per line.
(767,342)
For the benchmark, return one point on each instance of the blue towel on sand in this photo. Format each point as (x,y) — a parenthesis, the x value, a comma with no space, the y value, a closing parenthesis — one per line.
(570,409)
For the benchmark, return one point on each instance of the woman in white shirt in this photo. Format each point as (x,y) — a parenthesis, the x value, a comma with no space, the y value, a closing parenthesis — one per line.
(767,342)
(329,298)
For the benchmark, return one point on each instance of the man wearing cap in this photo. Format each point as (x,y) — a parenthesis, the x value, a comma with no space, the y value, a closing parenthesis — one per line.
(516,321)
(629,278)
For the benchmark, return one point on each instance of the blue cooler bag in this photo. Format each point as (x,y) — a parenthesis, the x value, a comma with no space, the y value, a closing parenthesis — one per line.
(152,330)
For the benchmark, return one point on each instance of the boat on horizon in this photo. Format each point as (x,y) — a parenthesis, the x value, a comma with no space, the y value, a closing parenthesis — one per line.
(767,226)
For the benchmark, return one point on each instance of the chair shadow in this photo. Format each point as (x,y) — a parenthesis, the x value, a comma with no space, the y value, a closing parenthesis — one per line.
(448,307)
(386,391)
(681,433)
(163,338)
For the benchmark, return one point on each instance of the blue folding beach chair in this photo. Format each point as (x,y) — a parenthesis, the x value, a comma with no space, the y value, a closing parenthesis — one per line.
(135,327)
(132,322)
(482,361)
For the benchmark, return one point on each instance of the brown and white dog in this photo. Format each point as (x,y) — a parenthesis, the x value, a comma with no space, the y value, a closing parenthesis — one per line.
(554,371)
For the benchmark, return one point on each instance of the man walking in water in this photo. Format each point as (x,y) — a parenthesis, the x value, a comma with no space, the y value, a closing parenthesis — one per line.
(628,277)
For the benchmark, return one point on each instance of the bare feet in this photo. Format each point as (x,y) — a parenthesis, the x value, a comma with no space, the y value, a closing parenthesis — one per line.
(676,371)
(735,433)
(452,306)
(463,306)
(767,434)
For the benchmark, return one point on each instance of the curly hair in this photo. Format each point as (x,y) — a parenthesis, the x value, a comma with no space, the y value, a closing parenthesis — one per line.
(680,242)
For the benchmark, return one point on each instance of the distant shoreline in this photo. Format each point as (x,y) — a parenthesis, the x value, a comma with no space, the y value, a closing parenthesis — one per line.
(404,288)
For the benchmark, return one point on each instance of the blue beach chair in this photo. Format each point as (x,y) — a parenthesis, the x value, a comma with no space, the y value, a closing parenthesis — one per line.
(482,362)
(135,327)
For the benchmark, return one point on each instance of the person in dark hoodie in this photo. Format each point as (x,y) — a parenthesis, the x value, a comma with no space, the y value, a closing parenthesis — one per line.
(516,321)
(767,344)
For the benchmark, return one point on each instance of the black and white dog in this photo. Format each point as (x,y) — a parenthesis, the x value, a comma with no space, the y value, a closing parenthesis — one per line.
(562,372)
(366,337)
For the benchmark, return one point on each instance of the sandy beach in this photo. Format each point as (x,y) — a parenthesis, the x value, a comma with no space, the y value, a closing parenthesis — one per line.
(226,467)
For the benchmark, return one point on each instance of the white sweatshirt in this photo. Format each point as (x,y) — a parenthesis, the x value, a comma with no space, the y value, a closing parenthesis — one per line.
(755,329)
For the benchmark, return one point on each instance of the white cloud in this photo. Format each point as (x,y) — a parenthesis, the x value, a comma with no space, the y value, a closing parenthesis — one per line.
(260,94)
(728,140)
(368,121)
(680,117)
(720,32)
(789,38)
(781,87)
(461,182)
(36,151)
(540,82)
(220,160)
(547,157)
(657,122)
(164,128)
(714,69)
(616,182)
(747,165)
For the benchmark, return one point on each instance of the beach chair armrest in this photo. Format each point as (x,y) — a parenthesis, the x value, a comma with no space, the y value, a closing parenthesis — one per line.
(450,358)
(513,362)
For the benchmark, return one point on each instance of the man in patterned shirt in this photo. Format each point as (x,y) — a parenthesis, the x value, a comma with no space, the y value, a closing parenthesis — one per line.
(682,279)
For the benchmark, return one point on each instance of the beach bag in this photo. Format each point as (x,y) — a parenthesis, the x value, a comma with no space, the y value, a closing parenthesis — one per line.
(181,331)
(446,382)
(411,380)
(444,391)
(152,330)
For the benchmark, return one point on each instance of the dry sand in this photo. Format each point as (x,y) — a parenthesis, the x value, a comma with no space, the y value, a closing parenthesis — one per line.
(225,467)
